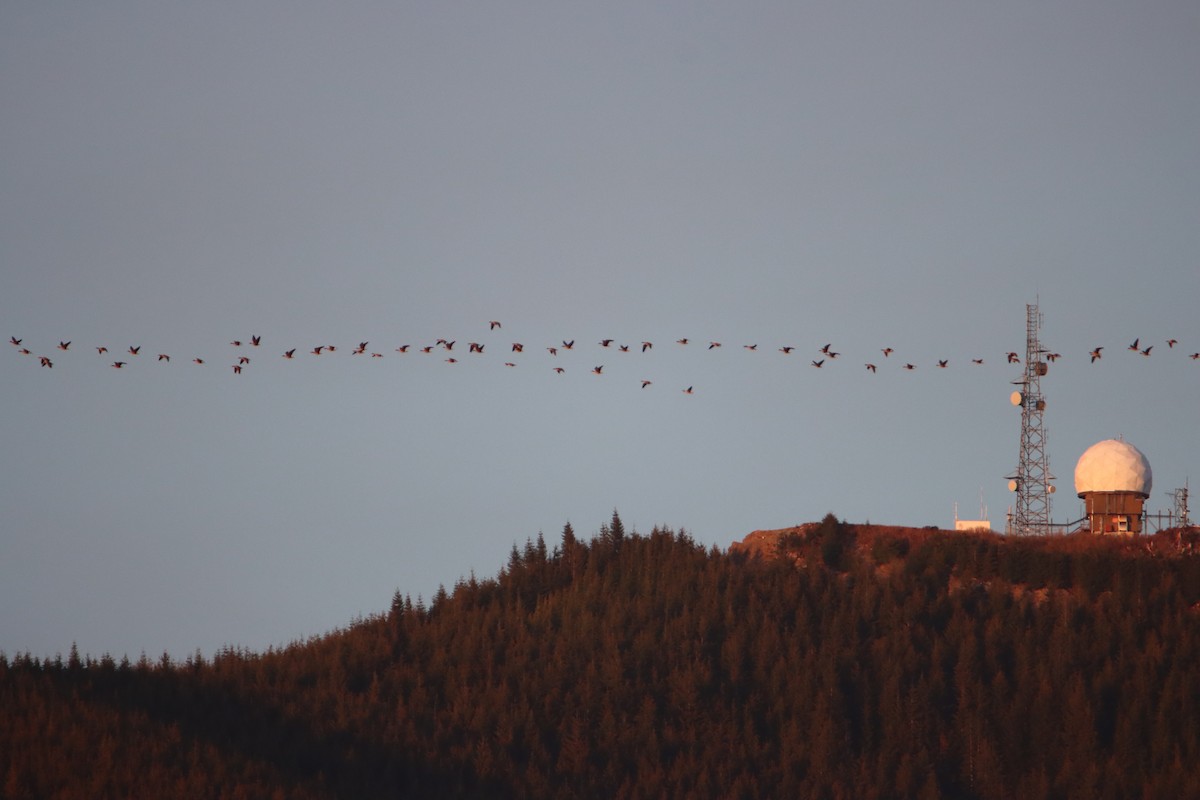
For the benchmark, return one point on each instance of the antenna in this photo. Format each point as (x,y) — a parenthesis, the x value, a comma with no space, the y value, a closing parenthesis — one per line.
(1032,479)
(1180,496)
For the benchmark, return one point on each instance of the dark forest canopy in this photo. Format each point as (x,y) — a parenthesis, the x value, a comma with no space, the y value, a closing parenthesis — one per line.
(859,664)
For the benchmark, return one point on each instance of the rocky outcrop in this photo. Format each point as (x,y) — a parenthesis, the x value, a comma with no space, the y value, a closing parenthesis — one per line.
(765,544)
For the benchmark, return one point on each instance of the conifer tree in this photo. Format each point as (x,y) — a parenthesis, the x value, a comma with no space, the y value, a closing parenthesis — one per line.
(616,531)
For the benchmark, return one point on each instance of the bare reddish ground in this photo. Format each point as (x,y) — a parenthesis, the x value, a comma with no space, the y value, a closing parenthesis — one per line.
(1168,543)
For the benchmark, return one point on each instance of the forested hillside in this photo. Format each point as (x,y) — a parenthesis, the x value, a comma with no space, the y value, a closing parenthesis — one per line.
(645,665)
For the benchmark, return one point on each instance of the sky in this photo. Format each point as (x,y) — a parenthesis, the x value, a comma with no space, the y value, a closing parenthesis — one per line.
(178,176)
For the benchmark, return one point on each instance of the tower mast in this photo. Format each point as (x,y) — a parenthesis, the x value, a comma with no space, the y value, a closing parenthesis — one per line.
(1032,479)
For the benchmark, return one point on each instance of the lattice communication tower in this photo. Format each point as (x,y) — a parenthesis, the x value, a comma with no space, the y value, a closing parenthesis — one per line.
(1031,516)
(1180,496)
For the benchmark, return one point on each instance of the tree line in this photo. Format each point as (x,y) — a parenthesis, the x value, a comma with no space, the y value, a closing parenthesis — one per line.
(646,665)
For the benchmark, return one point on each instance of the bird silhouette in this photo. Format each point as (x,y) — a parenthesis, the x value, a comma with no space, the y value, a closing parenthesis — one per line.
(976,360)
(568,345)
(316,351)
(552,351)
(517,347)
(825,349)
(1053,357)
(909,366)
(1195,356)
(509,364)
(559,370)
(475,347)
(256,340)
(101,350)
(428,349)
(681,341)
(597,370)
(25,351)
(711,345)
(750,346)
(688,390)
(786,349)
(133,351)
(360,350)
(605,342)
(118,364)
(163,357)
(403,348)
(1013,358)
(646,383)
(243,360)
(15,341)
(1095,354)
(198,360)
(1134,346)
(290,353)
(887,351)
(493,325)
(818,364)
(46,362)
(236,343)
(943,363)
(237,369)
(646,346)
(64,345)
(1146,352)
(871,367)
(452,360)
(624,348)
(1172,342)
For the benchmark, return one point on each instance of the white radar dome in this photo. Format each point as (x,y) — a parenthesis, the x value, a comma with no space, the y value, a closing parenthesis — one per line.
(1113,466)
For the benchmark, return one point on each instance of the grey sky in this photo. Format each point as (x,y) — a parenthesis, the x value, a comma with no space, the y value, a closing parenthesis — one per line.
(177,176)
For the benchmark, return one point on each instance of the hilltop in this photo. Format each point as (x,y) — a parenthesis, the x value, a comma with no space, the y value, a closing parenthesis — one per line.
(777,542)
(842,661)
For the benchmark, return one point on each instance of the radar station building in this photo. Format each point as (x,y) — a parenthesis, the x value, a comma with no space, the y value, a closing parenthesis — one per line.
(1113,478)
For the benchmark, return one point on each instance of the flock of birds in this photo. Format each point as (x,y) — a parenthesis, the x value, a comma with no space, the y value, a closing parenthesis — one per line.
(446,349)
